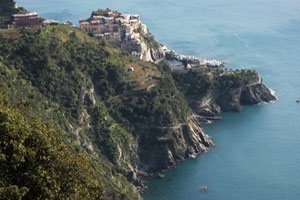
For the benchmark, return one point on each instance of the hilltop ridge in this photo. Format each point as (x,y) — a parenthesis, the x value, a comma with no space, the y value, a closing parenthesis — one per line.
(125,31)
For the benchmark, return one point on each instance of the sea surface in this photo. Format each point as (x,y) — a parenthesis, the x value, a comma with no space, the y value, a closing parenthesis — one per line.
(257,152)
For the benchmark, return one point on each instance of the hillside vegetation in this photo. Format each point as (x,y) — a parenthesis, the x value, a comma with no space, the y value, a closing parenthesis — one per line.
(82,87)
(36,164)
(76,122)
(50,73)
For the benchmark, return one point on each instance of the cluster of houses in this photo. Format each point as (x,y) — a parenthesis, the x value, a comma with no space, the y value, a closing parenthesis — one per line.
(123,30)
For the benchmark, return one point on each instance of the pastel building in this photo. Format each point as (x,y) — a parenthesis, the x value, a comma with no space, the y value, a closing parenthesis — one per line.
(26,20)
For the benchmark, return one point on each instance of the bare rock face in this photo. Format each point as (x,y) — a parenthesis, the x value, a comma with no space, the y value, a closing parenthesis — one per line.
(200,142)
(232,99)
(256,94)
(150,53)
(172,145)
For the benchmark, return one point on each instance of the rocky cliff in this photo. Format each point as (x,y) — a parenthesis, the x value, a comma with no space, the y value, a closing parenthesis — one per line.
(172,144)
(151,50)
(127,123)
(221,91)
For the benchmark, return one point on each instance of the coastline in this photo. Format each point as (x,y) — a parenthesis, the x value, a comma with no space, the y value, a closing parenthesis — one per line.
(190,139)
(262,138)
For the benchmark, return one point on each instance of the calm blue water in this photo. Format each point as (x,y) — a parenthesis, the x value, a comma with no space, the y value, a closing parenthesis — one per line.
(257,153)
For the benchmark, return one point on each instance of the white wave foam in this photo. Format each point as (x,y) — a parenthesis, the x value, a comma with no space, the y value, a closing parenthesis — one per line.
(274,94)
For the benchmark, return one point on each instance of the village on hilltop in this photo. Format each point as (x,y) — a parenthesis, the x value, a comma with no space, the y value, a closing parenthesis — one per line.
(122,30)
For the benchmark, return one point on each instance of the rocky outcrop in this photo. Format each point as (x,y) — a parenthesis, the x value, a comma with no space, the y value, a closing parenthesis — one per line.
(211,91)
(231,100)
(256,94)
(162,147)
(151,51)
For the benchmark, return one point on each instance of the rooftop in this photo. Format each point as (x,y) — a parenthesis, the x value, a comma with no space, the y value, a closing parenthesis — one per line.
(26,15)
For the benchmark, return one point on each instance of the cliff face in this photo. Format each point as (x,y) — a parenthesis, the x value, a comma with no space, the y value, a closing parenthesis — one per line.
(151,50)
(222,91)
(150,53)
(163,147)
(256,94)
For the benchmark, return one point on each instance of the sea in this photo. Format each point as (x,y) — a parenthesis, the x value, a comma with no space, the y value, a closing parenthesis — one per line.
(257,151)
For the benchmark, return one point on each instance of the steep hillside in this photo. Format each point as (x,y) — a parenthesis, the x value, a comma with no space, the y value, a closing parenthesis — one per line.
(133,122)
(36,164)
(115,117)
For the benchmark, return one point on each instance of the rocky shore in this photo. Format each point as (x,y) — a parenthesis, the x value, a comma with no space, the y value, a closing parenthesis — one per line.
(232,101)
(221,98)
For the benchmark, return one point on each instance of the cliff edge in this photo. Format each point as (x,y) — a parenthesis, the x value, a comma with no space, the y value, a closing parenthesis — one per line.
(211,91)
